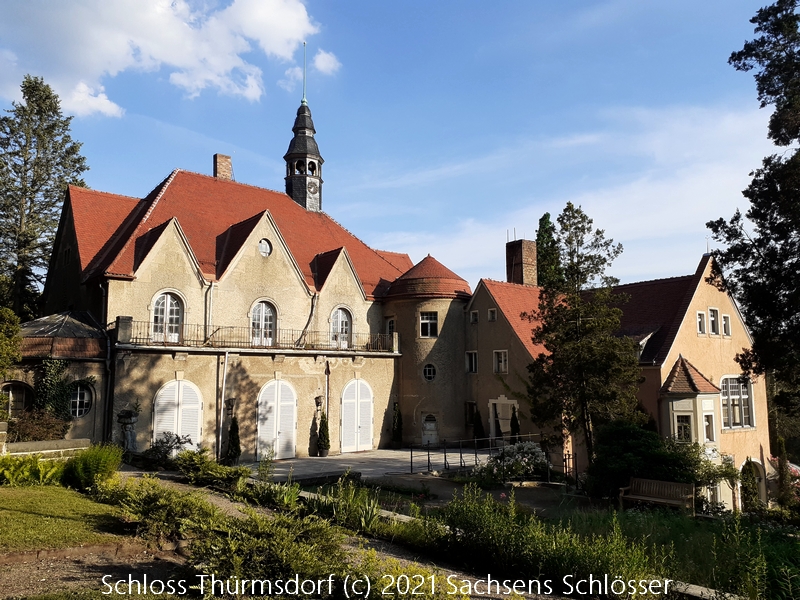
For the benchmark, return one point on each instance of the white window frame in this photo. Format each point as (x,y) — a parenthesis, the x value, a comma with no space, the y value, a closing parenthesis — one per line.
(428,324)
(429,372)
(734,404)
(726,325)
(500,361)
(701,323)
(168,320)
(260,335)
(713,437)
(491,315)
(676,427)
(473,316)
(391,325)
(81,401)
(341,327)
(713,321)
(471,357)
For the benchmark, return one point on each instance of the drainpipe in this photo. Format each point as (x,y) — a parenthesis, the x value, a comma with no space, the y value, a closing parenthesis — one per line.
(310,317)
(220,404)
(327,388)
(108,425)
(209,309)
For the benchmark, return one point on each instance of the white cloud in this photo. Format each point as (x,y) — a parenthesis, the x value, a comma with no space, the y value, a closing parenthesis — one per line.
(685,166)
(293,76)
(326,62)
(74,45)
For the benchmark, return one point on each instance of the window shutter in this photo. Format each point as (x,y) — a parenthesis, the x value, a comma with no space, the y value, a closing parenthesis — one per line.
(364,416)
(190,413)
(166,411)
(349,418)
(267,421)
(286,421)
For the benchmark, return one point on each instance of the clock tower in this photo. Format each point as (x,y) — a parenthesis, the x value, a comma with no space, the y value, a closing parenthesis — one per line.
(303,163)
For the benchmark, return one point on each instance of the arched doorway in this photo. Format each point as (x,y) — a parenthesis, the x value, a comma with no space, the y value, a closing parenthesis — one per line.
(178,408)
(277,420)
(430,430)
(356,416)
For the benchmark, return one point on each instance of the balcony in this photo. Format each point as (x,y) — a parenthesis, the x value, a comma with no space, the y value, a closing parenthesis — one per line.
(145,333)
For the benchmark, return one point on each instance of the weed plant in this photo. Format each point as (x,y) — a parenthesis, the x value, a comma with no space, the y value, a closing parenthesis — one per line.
(30,470)
(95,463)
(200,469)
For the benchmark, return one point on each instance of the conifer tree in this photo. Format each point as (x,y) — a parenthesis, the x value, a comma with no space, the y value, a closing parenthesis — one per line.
(38,159)
(588,375)
(548,263)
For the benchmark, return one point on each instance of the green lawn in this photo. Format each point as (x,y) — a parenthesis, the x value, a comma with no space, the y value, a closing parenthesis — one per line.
(45,517)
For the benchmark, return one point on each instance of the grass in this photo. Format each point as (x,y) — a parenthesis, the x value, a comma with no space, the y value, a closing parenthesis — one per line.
(50,517)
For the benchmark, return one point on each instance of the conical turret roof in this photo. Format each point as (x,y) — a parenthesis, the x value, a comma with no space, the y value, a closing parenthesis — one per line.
(429,279)
(303,142)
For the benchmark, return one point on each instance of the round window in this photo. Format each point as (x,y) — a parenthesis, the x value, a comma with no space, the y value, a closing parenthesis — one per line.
(429,372)
(265,247)
(80,402)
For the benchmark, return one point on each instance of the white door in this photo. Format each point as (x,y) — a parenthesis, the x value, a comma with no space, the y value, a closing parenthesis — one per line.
(179,409)
(356,417)
(277,423)
(430,431)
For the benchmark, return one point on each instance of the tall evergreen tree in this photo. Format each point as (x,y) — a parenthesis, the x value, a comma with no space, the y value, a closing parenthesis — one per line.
(38,159)
(588,375)
(548,263)
(761,257)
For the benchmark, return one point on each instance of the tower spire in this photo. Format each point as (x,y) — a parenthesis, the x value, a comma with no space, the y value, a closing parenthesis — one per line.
(303,101)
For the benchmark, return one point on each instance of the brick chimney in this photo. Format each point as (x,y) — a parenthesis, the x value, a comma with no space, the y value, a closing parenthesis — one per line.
(222,167)
(521,262)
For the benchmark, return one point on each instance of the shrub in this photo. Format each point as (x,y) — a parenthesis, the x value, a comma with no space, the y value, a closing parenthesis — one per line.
(36,426)
(234,450)
(30,470)
(160,453)
(200,469)
(54,388)
(159,513)
(279,547)
(397,425)
(523,459)
(96,462)
(324,439)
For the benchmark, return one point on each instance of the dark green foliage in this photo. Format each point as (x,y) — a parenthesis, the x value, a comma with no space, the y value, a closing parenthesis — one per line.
(762,247)
(38,159)
(200,469)
(10,340)
(95,463)
(36,426)
(162,450)
(275,547)
(324,439)
(234,450)
(397,424)
(588,375)
(514,425)
(54,388)
(749,488)
(786,493)
(548,261)
(30,470)
(626,450)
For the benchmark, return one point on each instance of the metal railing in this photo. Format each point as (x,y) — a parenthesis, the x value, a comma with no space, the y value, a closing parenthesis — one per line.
(145,333)
(473,452)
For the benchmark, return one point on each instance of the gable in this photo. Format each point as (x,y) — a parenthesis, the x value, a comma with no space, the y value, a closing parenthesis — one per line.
(512,300)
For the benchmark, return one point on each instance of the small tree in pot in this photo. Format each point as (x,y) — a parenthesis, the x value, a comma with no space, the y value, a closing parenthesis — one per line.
(397,427)
(324,439)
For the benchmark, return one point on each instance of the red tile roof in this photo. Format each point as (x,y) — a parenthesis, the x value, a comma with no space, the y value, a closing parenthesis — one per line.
(512,300)
(216,216)
(686,379)
(656,308)
(400,260)
(429,279)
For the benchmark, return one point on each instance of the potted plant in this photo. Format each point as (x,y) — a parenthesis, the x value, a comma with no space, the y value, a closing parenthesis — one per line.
(324,439)
(397,427)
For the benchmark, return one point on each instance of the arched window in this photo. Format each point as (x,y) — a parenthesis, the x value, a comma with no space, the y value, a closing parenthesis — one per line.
(167,318)
(20,397)
(340,328)
(263,324)
(80,402)
(312,168)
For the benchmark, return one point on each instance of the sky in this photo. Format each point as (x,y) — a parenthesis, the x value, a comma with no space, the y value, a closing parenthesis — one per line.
(447,126)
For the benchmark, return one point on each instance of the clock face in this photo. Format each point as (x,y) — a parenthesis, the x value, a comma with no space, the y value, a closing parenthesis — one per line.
(312,187)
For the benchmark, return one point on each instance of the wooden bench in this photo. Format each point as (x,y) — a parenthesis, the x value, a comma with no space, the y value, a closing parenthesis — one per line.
(658,492)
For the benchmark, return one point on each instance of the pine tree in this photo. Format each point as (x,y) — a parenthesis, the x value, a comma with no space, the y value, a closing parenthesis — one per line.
(38,159)
(762,247)
(548,262)
(588,375)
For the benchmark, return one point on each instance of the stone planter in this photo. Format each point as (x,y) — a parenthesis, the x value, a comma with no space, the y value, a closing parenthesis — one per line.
(128,419)
(323,452)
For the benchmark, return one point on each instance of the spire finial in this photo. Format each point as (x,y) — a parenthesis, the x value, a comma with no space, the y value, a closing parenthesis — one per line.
(303,102)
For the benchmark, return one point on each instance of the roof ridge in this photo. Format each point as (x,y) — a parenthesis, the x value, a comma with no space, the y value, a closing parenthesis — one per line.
(93,191)
(250,185)
(647,281)
(355,237)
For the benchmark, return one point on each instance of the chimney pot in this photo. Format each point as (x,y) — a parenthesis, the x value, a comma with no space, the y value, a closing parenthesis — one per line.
(223,168)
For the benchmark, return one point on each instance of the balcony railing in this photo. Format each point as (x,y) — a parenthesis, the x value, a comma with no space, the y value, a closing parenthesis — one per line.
(145,333)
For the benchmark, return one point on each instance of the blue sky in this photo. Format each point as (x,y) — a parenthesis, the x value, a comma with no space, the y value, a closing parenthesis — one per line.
(445,125)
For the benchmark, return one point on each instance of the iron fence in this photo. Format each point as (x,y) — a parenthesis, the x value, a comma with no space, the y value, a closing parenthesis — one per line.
(146,333)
